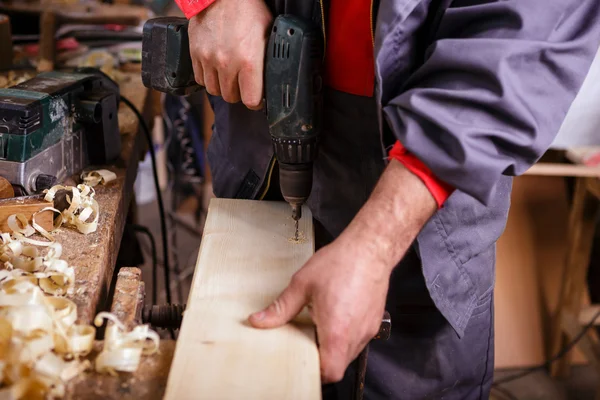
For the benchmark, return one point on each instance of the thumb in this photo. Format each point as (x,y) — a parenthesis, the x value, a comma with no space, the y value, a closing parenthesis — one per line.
(283,309)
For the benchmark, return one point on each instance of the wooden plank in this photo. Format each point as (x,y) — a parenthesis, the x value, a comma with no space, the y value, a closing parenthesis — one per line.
(128,299)
(556,169)
(588,313)
(582,224)
(246,259)
(26,206)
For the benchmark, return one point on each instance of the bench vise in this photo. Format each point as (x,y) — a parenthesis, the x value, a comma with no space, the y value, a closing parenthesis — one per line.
(54,125)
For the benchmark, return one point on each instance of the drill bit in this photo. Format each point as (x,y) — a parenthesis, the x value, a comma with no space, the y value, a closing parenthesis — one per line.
(296,215)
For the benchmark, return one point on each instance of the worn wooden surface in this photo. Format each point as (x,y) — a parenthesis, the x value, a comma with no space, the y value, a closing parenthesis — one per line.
(147,383)
(150,380)
(94,255)
(128,297)
(247,257)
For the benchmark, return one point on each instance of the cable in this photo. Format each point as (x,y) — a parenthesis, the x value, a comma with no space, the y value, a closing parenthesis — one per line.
(161,208)
(146,231)
(557,357)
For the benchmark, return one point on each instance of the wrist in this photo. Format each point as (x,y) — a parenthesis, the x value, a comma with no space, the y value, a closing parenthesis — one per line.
(391,219)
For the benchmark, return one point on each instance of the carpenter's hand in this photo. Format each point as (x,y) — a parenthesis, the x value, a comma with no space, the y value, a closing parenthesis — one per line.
(227,44)
(346,286)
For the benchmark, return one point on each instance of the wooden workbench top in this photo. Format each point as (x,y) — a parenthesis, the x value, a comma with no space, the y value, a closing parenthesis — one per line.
(94,255)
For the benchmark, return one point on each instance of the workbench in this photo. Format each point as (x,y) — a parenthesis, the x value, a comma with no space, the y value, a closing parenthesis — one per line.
(94,258)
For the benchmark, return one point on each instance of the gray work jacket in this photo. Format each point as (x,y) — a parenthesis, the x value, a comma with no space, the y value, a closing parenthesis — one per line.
(476,89)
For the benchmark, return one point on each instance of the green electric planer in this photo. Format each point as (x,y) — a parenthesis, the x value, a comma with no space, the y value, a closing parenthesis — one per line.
(54,125)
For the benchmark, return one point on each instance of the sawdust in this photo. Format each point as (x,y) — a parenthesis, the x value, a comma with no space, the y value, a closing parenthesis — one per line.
(301,238)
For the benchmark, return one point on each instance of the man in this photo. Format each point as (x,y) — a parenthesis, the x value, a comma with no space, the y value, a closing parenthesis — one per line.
(432,106)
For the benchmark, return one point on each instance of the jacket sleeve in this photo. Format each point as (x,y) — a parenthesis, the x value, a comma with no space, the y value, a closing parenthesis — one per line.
(190,8)
(495,85)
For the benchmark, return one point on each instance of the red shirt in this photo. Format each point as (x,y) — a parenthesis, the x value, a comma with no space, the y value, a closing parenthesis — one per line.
(350,68)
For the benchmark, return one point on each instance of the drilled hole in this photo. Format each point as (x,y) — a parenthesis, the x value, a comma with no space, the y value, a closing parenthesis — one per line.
(291,32)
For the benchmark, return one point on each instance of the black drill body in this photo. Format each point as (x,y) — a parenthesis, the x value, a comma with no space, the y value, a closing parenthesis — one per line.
(293,90)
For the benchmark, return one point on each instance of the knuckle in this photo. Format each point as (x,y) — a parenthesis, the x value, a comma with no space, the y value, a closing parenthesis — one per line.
(221,60)
(203,53)
(247,63)
(278,306)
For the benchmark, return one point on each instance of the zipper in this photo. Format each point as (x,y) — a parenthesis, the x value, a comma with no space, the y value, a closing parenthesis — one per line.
(269,175)
(371,21)
(323,27)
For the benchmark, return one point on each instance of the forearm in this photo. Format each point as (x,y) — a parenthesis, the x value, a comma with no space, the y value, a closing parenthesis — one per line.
(393,216)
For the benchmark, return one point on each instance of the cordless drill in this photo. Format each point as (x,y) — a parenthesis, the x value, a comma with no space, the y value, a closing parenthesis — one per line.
(293,90)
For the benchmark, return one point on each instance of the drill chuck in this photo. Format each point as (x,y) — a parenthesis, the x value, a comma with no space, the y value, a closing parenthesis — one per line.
(295,181)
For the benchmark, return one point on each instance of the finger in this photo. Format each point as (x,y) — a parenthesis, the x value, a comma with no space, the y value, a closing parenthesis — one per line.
(230,90)
(251,85)
(198,73)
(211,81)
(284,309)
(333,353)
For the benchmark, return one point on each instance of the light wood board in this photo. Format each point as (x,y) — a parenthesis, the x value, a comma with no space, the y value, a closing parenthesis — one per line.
(246,259)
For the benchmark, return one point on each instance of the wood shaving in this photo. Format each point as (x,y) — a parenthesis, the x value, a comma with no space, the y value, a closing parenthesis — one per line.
(83,212)
(102,176)
(41,346)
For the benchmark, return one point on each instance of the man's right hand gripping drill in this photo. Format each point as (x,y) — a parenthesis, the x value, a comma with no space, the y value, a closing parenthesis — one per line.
(229,59)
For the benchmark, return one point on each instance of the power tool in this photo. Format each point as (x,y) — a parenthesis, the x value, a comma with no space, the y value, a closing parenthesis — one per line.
(54,125)
(293,90)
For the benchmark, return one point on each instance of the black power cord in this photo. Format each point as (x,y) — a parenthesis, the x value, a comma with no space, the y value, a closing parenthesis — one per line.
(161,208)
(568,347)
(146,231)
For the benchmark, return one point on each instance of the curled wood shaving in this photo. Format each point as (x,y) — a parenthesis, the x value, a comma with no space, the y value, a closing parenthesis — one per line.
(102,176)
(123,350)
(40,343)
(83,211)
(18,223)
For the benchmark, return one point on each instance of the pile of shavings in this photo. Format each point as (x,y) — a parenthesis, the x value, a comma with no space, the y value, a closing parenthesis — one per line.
(41,345)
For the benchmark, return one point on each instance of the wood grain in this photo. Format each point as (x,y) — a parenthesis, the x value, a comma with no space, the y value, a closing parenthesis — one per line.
(6,189)
(128,298)
(246,259)
(26,206)
(147,383)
